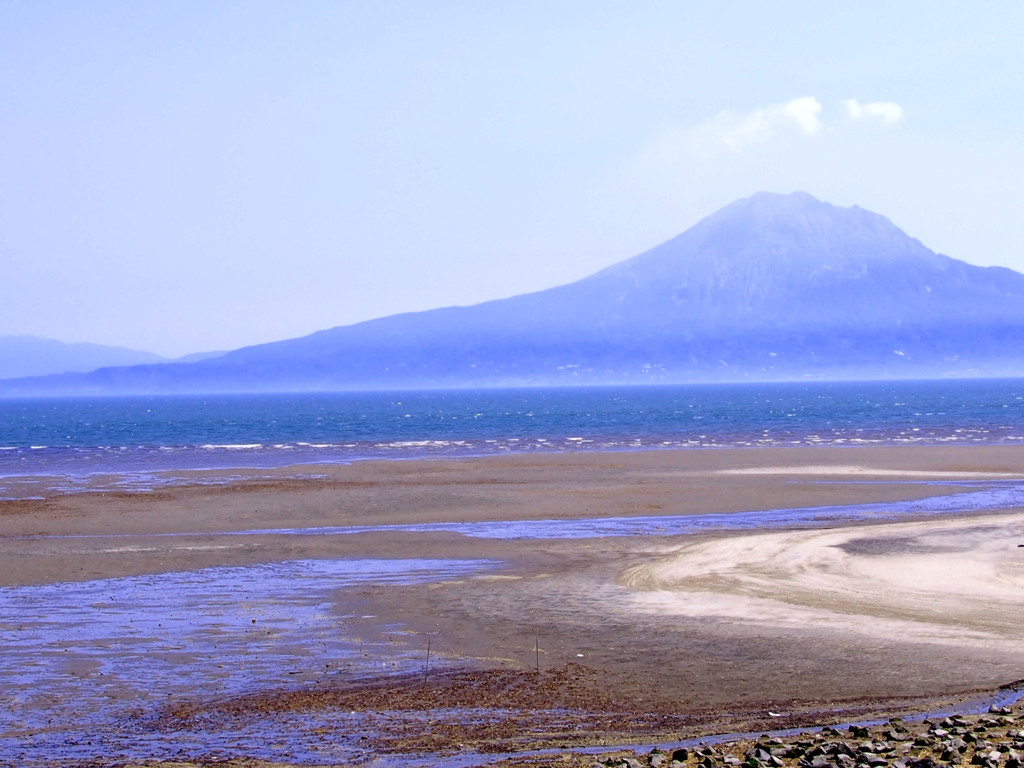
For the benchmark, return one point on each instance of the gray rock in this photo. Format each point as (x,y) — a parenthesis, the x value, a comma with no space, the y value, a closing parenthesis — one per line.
(842,748)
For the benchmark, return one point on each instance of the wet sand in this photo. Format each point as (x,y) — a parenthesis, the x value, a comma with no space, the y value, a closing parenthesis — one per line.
(686,634)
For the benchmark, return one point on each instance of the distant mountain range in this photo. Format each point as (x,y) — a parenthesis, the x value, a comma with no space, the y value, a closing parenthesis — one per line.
(771,287)
(34,356)
(22,356)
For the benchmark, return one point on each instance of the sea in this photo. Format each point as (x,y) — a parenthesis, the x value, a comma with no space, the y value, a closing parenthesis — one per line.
(131,438)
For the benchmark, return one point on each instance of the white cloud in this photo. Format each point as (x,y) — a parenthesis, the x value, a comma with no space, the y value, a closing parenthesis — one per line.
(804,112)
(889,112)
(760,124)
(733,133)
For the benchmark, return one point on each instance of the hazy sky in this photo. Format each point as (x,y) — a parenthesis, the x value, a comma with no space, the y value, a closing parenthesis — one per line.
(186,176)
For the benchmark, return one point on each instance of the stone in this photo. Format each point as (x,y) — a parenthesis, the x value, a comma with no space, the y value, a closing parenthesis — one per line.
(818,761)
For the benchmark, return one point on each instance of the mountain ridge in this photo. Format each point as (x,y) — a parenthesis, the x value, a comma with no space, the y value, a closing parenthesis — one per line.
(769,287)
(23,355)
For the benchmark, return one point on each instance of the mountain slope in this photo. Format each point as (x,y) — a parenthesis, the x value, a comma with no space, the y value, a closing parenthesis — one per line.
(769,287)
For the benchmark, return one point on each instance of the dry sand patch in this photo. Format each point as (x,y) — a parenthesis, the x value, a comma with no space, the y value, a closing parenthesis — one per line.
(943,581)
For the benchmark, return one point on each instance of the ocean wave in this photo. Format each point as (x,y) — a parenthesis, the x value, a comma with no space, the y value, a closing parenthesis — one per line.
(231,446)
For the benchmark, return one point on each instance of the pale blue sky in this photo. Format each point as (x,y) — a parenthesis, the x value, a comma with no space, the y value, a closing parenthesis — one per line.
(185,176)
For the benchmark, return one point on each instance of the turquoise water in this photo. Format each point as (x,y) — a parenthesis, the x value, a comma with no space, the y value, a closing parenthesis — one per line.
(93,435)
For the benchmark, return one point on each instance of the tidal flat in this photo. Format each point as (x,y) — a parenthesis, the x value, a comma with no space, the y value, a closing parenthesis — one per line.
(461,612)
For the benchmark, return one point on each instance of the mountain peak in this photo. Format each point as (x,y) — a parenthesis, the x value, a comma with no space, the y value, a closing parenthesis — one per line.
(775,232)
(779,201)
(800,211)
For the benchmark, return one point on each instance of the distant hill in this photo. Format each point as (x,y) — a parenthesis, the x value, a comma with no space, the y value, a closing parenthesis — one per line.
(196,357)
(770,287)
(34,356)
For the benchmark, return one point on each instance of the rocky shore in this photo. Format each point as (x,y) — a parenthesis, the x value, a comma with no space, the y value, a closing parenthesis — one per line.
(992,740)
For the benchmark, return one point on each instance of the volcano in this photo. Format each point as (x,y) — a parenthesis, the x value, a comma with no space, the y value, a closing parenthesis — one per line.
(771,287)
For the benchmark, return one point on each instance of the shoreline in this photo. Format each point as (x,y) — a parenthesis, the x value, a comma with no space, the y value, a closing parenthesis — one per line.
(747,631)
(64,481)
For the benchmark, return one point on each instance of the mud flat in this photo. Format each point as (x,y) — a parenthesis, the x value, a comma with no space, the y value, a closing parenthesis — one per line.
(436,612)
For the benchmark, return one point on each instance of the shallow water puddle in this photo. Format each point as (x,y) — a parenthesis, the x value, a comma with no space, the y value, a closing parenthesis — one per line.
(78,658)
(987,496)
